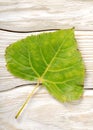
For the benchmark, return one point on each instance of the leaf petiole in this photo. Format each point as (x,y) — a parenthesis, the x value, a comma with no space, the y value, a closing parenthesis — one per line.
(27,100)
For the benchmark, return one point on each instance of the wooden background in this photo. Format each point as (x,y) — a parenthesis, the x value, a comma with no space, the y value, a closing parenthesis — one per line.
(17,19)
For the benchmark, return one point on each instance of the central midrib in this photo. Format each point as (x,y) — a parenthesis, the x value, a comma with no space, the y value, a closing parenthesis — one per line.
(54,56)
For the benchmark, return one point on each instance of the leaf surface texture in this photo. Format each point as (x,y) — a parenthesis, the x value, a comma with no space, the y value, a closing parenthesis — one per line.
(54,59)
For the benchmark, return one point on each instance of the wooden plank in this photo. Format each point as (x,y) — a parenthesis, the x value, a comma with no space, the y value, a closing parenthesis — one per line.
(85,43)
(25,15)
(43,112)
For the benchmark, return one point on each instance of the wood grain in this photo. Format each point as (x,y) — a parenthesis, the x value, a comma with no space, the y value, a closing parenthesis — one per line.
(43,112)
(30,15)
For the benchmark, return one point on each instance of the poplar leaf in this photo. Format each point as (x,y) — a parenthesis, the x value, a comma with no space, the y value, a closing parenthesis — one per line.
(51,58)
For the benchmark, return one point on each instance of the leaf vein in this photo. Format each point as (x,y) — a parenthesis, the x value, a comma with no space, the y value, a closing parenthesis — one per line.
(30,63)
(24,73)
(54,56)
(43,56)
(61,82)
(60,70)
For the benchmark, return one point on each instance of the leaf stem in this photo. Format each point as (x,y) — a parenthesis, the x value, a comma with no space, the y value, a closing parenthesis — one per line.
(27,100)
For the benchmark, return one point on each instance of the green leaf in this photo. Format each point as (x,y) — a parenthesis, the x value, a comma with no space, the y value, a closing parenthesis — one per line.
(52,59)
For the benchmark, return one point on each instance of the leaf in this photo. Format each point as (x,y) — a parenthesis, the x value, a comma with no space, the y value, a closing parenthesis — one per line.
(52,59)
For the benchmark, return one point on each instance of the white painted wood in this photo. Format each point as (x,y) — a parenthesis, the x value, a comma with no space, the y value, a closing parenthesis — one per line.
(43,112)
(45,14)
